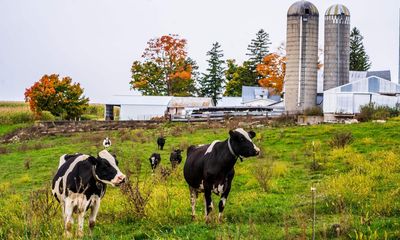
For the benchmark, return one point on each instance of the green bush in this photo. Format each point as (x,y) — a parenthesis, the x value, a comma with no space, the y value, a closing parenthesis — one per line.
(341,139)
(314,111)
(371,111)
(47,116)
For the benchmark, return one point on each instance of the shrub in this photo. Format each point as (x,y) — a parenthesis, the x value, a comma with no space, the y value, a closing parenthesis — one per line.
(341,139)
(137,193)
(263,172)
(47,116)
(313,111)
(372,111)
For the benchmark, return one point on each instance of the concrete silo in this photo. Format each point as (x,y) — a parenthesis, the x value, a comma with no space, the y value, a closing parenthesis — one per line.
(302,57)
(337,46)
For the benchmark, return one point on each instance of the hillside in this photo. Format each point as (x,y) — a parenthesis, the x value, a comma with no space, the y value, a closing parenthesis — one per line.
(357,187)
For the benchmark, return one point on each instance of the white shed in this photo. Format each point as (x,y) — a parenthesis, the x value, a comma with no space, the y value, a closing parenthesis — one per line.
(134,107)
(348,98)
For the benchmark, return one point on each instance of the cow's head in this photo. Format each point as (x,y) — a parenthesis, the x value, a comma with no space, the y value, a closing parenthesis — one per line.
(241,143)
(106,168)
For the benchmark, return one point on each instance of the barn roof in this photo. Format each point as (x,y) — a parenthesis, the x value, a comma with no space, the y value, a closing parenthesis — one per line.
(229,102)
(139,100)
(190,102)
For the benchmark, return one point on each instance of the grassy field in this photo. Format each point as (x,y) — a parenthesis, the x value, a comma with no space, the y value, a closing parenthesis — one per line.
(357,187)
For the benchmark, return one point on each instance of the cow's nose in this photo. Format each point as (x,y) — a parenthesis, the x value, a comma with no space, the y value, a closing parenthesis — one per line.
(121,179)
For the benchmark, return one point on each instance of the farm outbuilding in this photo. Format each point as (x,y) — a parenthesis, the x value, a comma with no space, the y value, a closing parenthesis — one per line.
(348,98)
(134,107)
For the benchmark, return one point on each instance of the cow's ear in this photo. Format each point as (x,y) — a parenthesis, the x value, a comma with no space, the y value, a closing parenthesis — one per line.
(251,134)
(232,134)
(92,160)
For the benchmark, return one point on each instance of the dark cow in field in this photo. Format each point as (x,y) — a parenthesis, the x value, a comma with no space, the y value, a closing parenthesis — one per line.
(80,183)
(160,143)
(154,159)
(210,168)
(176,157)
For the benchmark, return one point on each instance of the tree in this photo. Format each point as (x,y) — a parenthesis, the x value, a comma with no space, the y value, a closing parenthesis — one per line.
(258,49)
(166,69)
(238,76)
(272,69)
(61,97)
(359,60)
(212,81)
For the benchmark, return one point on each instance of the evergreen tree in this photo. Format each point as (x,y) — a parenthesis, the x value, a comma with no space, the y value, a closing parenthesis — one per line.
(258,49)
(211,83)
(359,60)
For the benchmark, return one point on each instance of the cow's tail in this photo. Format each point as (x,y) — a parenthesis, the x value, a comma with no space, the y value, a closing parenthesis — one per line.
(190,150)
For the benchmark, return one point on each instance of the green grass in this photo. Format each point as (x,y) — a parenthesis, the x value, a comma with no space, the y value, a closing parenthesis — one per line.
(284,212)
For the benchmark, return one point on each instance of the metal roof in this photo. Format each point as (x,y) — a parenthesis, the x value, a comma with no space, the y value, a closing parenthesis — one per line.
(337,10)
(229,102)
(190,102)
(302,8)
(139,100)
(382,74)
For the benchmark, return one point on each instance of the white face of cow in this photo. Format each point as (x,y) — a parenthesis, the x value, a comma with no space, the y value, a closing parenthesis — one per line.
(107,170)
(242,144)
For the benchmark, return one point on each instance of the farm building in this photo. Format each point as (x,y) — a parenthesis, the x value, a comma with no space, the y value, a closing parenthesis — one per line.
(136,107)
(348,98)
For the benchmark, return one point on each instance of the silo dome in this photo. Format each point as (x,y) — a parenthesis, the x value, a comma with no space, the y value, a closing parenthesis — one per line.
(337,9)
(302,8)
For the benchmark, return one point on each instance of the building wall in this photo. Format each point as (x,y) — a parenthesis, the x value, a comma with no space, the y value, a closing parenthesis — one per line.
(141,112)
(336,51)
(302,60)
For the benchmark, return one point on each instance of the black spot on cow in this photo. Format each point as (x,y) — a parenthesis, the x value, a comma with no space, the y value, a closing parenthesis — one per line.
(176,157)
(161,142)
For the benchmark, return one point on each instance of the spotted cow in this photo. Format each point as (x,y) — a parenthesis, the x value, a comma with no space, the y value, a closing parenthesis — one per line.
(80,183)
(210,168)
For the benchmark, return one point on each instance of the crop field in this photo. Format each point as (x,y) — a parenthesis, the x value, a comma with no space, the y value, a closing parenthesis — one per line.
(355,170)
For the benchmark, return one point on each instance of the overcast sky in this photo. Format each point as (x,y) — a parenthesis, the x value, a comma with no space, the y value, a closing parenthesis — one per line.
(96,41)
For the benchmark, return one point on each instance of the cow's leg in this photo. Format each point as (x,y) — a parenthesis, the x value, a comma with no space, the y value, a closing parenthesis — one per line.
(93,214)
(81,218)
(68,220)
(222,201)
(208,202)
(193,197)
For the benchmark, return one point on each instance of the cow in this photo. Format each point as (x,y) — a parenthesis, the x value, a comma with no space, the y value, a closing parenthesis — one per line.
(154,159)
(160,143)
(80,183)
(210,168)
(106,142)
(175,158)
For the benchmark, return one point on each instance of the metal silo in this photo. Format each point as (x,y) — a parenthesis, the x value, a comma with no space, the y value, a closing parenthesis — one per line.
(302,57)
(337,46)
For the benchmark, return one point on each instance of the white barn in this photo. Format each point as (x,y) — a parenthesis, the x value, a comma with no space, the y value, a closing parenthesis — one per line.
(348,98)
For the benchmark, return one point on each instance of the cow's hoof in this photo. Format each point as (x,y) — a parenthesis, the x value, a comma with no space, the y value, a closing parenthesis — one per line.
(193,217)
(208,219)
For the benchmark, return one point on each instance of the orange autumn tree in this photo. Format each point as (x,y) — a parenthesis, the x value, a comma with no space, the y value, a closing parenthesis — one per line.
(272,69)
(166,69)
(57,95)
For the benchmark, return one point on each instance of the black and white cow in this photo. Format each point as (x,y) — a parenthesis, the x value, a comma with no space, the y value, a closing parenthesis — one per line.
(160,143)
(80,183)
(176,157)
(154,159)
(210,168)
(106,142)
